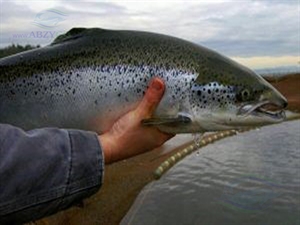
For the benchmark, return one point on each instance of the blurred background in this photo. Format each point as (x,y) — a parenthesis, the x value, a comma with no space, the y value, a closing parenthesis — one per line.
(257,33)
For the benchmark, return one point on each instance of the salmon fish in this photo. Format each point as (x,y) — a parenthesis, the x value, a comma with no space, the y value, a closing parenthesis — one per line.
(87,78)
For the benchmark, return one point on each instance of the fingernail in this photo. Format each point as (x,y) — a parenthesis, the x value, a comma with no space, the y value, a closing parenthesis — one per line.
(156,85)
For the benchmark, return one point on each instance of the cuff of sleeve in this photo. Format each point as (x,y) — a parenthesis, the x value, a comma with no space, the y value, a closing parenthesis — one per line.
(47,170)
(86,167)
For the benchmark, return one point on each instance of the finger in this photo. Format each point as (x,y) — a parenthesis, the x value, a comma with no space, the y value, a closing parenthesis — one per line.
(152,97)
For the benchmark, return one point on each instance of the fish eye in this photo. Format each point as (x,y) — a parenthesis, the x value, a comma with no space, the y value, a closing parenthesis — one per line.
(245,94)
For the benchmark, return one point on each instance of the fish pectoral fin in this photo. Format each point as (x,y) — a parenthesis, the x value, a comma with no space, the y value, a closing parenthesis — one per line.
(180,120)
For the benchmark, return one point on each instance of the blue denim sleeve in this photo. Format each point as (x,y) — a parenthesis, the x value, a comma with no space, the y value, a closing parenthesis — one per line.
(46,170)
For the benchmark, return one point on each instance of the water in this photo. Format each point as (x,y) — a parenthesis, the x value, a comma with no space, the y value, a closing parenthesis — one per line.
(279,71)
(250,178)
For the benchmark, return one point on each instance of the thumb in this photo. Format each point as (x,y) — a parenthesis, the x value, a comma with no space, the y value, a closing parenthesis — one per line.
(152,97)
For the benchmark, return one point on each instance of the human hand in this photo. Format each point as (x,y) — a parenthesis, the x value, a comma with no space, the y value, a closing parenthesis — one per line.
(128,137)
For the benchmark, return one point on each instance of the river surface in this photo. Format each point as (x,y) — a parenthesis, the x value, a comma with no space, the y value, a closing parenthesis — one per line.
(250,178)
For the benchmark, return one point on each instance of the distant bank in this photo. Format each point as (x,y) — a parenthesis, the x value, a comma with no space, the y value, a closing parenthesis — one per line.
(279,71)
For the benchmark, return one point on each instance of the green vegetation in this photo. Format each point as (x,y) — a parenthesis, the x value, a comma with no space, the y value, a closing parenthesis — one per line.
(13,49)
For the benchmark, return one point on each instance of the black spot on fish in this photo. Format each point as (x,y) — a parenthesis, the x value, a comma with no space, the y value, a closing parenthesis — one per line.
(209,91)
(199,92)
(119,94)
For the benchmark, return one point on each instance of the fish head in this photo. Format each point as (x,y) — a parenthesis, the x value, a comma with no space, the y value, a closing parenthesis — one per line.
(227,95)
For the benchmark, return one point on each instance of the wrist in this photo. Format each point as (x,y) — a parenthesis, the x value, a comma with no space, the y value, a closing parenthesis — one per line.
(106,147)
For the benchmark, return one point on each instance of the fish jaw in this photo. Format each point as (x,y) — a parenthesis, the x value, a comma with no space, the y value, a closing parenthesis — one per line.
(247,115)
(261,114)
(229,121)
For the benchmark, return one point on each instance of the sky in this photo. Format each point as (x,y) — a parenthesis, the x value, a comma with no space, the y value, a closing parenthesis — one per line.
(256,33)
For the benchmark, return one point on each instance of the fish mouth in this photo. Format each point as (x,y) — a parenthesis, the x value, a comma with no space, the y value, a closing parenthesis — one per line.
(263,109)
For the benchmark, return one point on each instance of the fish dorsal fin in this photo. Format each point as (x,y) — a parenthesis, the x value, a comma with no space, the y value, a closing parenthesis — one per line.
(75,33)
